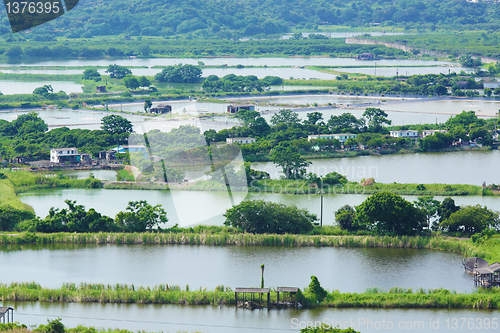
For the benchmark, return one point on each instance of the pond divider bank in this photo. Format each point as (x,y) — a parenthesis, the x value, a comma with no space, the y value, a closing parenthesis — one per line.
(165,294)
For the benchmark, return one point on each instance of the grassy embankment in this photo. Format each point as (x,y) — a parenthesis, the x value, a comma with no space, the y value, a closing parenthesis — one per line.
(304,187)
(165,294)
(23,181)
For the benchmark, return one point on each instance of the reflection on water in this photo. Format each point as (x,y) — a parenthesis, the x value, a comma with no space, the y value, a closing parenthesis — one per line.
(345,269)
(425,168)
(10,87)
(227,319)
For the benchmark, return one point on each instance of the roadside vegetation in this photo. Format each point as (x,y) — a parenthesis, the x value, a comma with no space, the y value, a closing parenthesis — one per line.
(56,326)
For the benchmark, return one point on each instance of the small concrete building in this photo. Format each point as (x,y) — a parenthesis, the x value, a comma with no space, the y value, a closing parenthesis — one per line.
(235,109)
(365,56)
(107,155)
(432,132)
(161,109)
(404,134)
(342,137)
(130,149)
(240,140)
(64,155)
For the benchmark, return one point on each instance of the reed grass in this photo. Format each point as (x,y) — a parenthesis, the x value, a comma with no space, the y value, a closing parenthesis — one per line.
(230,236)
(172,294)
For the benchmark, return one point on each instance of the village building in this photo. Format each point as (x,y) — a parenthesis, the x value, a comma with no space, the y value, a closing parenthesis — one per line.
(161,109)
(432,132)
(108,155)
(404,134)
(130,149)
(69,155)
(342,137)
(365,56)
(235,109)
(240,140)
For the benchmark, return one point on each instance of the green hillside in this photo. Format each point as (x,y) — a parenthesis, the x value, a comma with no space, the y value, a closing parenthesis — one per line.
(226,19)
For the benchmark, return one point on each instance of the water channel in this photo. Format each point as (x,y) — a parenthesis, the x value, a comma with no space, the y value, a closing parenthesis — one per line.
(345,269)
(215,319)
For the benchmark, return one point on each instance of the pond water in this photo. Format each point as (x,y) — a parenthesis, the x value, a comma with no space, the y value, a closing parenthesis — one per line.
(85,119)
(210,205)
(230,61)
(11,87)
(406,71)
(475,168)
(227,319)
(345,269)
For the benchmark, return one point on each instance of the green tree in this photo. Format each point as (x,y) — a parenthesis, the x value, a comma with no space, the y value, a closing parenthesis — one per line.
(388,213)
(118,72)
(259,216)
(11,217)
(179,74)
(114,124)
(471,220)
(292,164)
(44,91)
(91,74)
(375,119)
(447,208)
(429,206)
(131,82)
(345,217)
(247,117)
(141,216)
(315,293)
(144,82)
(14,52)
(285,116)
(313,118)
(147,105)
(53,326)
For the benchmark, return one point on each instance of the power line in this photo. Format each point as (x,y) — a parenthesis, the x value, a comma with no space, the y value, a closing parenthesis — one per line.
(159,322)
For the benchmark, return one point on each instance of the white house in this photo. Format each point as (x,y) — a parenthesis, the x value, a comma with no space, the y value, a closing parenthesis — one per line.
(342,137)
(62,155)
(404,134)
(240,140)
(432,132)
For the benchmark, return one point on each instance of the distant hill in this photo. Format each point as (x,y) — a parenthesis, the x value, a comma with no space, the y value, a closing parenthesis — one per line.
(236,18)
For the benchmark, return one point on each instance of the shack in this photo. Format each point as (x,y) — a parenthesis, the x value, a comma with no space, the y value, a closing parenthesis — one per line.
(488,276)
(235,109)
(253,292)
(6,315)
(289,296)
(161,109)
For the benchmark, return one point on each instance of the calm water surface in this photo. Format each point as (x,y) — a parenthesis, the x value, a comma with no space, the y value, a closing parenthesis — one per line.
(346,269)
(196,207)
(10,87)
(173,318)
(465,167)
(296,61)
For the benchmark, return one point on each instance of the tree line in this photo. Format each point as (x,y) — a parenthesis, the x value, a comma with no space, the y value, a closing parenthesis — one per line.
(233,19)
(383,213)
